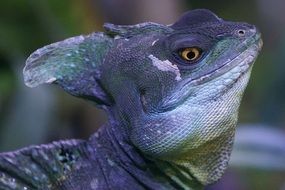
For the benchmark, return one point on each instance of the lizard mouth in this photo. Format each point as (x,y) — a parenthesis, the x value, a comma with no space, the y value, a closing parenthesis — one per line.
(241,63)
(245,58)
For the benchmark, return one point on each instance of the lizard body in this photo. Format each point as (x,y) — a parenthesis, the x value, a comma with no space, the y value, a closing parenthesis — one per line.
(172,95)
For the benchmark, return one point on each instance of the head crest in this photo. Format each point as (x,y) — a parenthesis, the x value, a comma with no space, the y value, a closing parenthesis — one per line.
(195,17)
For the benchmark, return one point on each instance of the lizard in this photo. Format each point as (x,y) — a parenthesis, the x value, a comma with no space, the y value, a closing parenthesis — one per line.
(171,93)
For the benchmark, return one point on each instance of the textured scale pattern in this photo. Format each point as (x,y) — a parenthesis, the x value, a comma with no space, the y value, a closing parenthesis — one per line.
(43,166)
(171,121)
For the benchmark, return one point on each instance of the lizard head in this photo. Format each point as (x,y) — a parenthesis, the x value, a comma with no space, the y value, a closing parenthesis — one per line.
(176,89)
(180,89)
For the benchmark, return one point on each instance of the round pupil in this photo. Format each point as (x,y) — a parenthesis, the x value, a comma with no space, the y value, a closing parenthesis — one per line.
(191,55)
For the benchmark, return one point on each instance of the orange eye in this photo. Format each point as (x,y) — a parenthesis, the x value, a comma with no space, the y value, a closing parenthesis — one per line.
(190,54)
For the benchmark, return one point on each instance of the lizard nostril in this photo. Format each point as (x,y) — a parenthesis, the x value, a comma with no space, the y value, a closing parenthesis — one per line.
(241,32)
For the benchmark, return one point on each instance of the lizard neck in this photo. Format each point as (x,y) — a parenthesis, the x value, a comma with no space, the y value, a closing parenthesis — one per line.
(193,167)
(127,163)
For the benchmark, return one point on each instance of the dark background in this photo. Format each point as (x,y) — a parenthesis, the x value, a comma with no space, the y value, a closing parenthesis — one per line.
(41,115)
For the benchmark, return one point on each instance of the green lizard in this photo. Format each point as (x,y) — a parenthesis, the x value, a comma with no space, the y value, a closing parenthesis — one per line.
(172,95)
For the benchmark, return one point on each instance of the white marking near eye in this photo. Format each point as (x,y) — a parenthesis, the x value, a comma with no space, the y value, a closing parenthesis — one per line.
(153,43)
(51,80)
(117,37)
(166,66)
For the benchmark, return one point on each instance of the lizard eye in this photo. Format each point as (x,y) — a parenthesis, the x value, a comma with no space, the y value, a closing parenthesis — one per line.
(190,54)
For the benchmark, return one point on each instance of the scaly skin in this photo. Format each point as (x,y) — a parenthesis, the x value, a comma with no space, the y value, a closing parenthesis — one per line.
(171,121)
